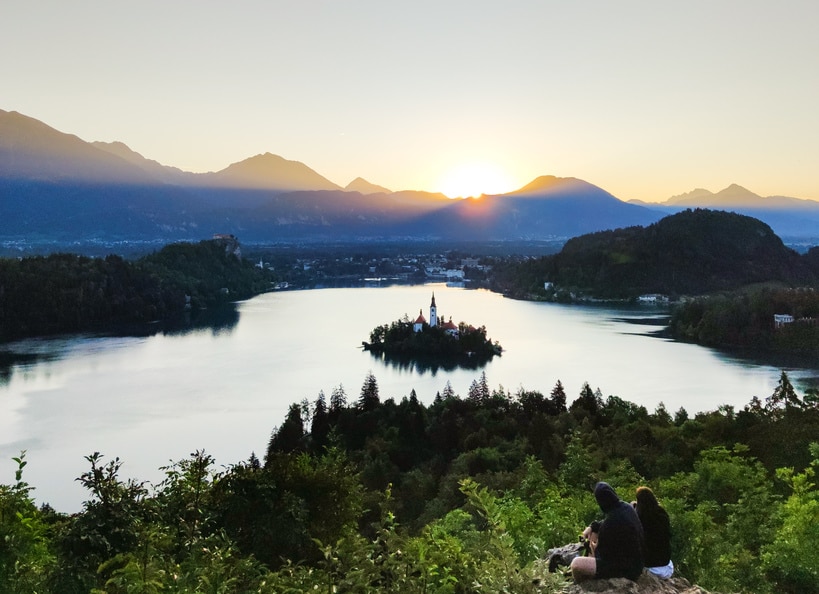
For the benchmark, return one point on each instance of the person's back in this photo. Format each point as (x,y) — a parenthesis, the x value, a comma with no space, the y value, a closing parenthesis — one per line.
(657,533)
(619,550)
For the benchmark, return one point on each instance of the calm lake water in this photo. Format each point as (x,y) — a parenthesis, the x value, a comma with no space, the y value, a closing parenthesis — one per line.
(152,400)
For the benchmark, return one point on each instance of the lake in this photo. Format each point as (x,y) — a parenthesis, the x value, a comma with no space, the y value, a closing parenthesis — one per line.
(223,388)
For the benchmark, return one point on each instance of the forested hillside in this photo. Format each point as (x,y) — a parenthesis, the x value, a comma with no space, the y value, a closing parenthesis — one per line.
(745,320)
(689,253)
(463,495)
(69,293)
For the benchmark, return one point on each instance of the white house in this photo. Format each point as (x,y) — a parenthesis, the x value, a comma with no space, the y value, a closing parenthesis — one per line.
(782,319)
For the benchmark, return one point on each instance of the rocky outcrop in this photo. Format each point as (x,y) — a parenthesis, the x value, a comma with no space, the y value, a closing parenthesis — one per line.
(647,584)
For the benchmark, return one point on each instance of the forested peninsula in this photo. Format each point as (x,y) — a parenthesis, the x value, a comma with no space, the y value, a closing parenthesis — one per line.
(727,276)
(466,494)
(60,293)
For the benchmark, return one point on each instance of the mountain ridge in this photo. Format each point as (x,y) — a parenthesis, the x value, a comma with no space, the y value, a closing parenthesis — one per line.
(55,184)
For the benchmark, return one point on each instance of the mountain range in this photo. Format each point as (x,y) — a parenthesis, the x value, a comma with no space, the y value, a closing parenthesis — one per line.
(56,186)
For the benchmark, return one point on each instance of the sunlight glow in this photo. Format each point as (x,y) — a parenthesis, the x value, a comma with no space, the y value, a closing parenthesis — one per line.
(473,179)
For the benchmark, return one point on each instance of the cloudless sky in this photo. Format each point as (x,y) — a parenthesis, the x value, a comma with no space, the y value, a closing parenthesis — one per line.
(644,98)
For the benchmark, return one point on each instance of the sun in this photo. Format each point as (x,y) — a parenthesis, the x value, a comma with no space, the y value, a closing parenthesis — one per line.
(474,179)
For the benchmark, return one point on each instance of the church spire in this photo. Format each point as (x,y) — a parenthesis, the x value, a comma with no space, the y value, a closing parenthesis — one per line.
(433,312)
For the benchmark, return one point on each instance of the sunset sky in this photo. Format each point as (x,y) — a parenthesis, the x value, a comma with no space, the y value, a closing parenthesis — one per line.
(646,99)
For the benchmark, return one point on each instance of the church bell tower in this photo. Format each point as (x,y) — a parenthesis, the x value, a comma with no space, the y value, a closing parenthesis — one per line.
(433,312)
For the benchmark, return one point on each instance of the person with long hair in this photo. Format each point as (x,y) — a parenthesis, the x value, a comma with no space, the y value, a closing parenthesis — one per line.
(656,533)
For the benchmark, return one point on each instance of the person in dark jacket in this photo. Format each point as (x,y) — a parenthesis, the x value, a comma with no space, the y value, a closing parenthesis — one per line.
(656,534)
(618,551)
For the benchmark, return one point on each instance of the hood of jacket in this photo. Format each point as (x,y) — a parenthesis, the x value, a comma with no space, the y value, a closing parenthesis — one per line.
(606,498)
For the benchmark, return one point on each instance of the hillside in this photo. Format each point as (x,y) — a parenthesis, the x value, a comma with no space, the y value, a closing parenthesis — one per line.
(692,252)
(69,293)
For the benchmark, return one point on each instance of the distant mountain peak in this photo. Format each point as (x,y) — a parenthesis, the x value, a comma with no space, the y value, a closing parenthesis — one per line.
(735,191)
(542,183)
(547,186)
(732,196)
(271,172)
(362,186)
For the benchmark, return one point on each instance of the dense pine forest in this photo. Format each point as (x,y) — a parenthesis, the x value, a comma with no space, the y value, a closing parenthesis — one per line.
(466,494)
(70,293)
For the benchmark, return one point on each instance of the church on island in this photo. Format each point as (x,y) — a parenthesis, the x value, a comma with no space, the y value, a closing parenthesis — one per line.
(432,340)
(449,327)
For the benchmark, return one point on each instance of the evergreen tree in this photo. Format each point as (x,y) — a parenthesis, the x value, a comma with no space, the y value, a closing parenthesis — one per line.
(783,396)
(484,386)
(338,400)
(290,436)
(557,398)
(369,394)
(448,391)
(474,393)
(587,403)
(320,427)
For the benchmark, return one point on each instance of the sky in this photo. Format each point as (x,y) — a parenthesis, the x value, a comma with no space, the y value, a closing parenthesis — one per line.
(644,98)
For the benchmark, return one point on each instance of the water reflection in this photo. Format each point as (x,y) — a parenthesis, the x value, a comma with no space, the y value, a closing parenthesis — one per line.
(423,365)
(10,359)
(219,321)
(23,354)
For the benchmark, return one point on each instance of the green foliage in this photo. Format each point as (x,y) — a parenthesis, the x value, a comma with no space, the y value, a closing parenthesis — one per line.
(464,495)
(790,559)
(110,525)
(746,320)
(69,293)
(26,559)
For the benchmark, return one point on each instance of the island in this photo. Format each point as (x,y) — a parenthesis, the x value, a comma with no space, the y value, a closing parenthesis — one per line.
(432,342)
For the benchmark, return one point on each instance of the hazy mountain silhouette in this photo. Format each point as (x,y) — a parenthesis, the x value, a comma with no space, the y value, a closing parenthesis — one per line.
(360,184)
(788,217)
(31,150)
(738,197)
(56,185)
(268,172)
(163,173)
(548,207)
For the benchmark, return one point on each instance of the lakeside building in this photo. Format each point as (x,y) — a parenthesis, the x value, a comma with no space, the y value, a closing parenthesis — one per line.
(782,319)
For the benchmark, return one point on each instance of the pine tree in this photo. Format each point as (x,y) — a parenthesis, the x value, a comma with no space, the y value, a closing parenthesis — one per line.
(290,436)
(369,394)
(783,396)
(483,384)
(557,398)
(338,400)
(320,427)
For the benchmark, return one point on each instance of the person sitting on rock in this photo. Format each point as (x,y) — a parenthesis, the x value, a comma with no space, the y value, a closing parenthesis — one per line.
(617,541)
(656,534)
